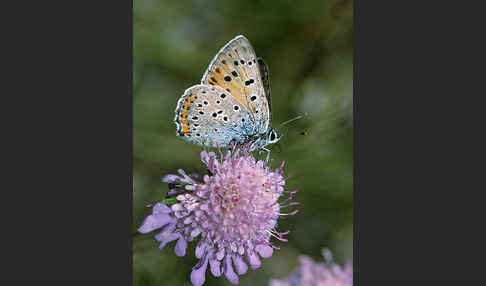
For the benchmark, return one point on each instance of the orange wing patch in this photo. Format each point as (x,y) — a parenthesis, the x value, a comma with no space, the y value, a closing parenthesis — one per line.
(220,76)
(184,114)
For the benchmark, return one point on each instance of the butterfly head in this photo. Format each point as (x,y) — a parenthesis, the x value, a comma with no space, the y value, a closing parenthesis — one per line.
(272,136)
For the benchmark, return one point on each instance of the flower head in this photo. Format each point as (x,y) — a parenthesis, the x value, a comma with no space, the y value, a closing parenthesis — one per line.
(310,273)
(234,210)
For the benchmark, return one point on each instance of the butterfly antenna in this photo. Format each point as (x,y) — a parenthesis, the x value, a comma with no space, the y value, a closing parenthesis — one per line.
(283,132)
(290,121)
(293,119)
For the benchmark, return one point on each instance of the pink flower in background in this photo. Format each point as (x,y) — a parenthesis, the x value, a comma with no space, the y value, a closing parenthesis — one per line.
(310,273)
(234,210)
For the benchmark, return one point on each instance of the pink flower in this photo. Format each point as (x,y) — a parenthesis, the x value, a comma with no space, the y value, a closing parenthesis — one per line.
(234,211)
(310,273)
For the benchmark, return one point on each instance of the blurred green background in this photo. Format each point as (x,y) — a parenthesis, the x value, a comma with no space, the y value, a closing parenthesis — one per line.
(308,46)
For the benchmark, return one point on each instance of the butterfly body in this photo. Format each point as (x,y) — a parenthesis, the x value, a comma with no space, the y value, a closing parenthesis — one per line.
(232,104)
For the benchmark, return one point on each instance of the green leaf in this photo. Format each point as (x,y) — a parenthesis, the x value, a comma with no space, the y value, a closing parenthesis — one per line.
(170,201)
(183,183)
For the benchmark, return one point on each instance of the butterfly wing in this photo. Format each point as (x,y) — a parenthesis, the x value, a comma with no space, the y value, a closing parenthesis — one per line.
(209,116)
(236,70)
(266,84)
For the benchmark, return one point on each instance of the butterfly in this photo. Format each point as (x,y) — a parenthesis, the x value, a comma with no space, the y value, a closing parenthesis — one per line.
(232,105)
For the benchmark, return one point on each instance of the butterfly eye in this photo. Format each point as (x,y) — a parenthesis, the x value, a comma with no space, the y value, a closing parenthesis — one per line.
(272,136)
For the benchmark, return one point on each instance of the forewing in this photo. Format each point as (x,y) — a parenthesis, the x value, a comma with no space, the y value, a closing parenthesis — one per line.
(266,85)
(236,70)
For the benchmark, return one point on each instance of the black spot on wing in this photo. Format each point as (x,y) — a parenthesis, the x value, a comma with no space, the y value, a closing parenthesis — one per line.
(248,82)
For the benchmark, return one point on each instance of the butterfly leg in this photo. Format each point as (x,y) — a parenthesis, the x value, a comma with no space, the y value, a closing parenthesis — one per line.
(233,143)
(268,153)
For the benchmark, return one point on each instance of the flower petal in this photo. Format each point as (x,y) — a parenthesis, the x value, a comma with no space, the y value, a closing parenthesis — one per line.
(161,208)
(215,267)
(198,274)
(166,231)
(190,187)
(177,207)
(274,282)
(200,248)
(220,254)
(170,178)
(204,157)
(265,251)
(240,265)
(180,248)
(171,237)
(196,177)
(167,235)
(229,272)
(253,260)
(186,178)
(153,222)
(195,232)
